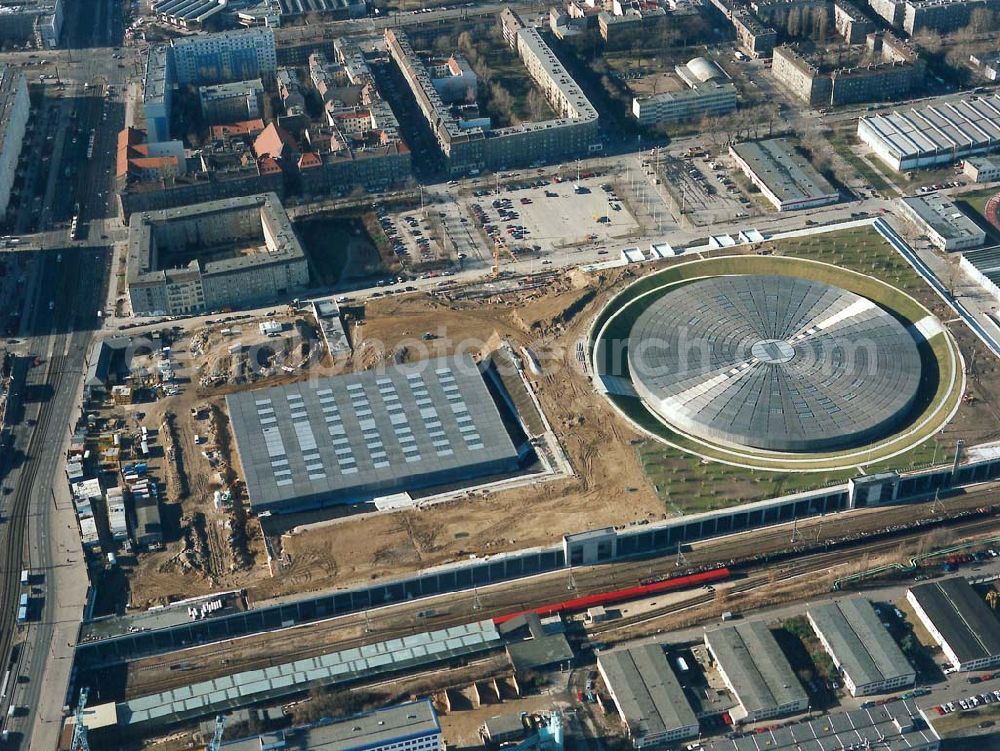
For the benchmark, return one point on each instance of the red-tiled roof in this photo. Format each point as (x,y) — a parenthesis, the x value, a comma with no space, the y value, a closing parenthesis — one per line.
(310,159)
(273,142)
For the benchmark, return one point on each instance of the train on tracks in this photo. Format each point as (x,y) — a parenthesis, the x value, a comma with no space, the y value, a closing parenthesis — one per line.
(579,604)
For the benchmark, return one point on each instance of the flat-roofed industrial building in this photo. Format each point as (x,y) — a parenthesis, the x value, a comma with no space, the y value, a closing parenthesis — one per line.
(933,134)
(959,621)
(784,176)
(754,668)
(413,726)
(650,700)
(862,649)
(369,435)
(984,266)
(943,222)
(896,726)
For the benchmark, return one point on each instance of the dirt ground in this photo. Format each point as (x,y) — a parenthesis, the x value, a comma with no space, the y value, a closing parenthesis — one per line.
(596,441)
(609,486)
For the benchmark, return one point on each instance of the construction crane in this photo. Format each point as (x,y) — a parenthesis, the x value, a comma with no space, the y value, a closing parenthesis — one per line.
(80,741)
(220,725)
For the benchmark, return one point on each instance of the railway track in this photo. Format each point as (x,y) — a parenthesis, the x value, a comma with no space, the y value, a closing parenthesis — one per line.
(198,664)
(16,527)
(814,563)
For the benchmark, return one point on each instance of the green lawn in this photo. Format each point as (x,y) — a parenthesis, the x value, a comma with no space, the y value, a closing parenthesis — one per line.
(974,204)
(842,145)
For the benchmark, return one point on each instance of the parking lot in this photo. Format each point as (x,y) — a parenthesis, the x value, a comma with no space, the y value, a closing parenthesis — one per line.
(703,189)
(548,214)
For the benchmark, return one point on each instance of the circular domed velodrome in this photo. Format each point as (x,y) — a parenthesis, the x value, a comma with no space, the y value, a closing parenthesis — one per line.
(777,363)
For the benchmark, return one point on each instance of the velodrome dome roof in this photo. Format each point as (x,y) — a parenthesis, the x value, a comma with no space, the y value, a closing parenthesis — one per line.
(774,362)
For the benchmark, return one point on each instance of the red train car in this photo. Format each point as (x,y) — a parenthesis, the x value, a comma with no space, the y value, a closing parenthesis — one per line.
(579,604)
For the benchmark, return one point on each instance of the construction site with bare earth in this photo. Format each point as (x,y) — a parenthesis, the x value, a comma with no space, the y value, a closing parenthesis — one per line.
(574,444)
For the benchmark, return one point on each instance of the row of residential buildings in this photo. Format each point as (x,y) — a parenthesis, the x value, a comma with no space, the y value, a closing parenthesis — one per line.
(167,270)
(15,108)
(356,143)
(891,69)
(473,145)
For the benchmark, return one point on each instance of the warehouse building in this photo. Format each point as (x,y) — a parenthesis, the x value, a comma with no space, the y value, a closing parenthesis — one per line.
(896,726)
(959,620)
(933,134)
(860,646)
(367,436)
(984,266)
(14,109)
(650,700)
(412,726)
(942,221)
(784,176)
(187,14)
(212,255)
(753,667)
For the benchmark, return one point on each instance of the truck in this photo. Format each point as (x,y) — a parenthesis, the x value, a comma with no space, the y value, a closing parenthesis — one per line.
(24,577)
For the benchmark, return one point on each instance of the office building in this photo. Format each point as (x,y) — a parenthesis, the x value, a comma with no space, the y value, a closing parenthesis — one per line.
(942,221)
(981,169)
(784,176)
(861,648)
(471,146)
(15,108)
(650,700)
(933,134)
(226,56)
(368,436)
(754,669)
(213,255)
(231,102)
(896,726)
(959,620)
(31,22)
(404,727)
(709,92)
(157,93)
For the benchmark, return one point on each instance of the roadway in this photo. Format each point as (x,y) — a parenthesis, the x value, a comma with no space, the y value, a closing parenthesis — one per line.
(64,287)
(60,335)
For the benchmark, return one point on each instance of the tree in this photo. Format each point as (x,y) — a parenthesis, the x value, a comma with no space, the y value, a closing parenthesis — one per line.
(981,21)
(538,108)
(465,43)
(501,104)
(442,44)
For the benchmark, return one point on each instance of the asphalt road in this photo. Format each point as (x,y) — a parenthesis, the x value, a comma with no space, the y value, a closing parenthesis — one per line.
(67,287)
(59,324)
